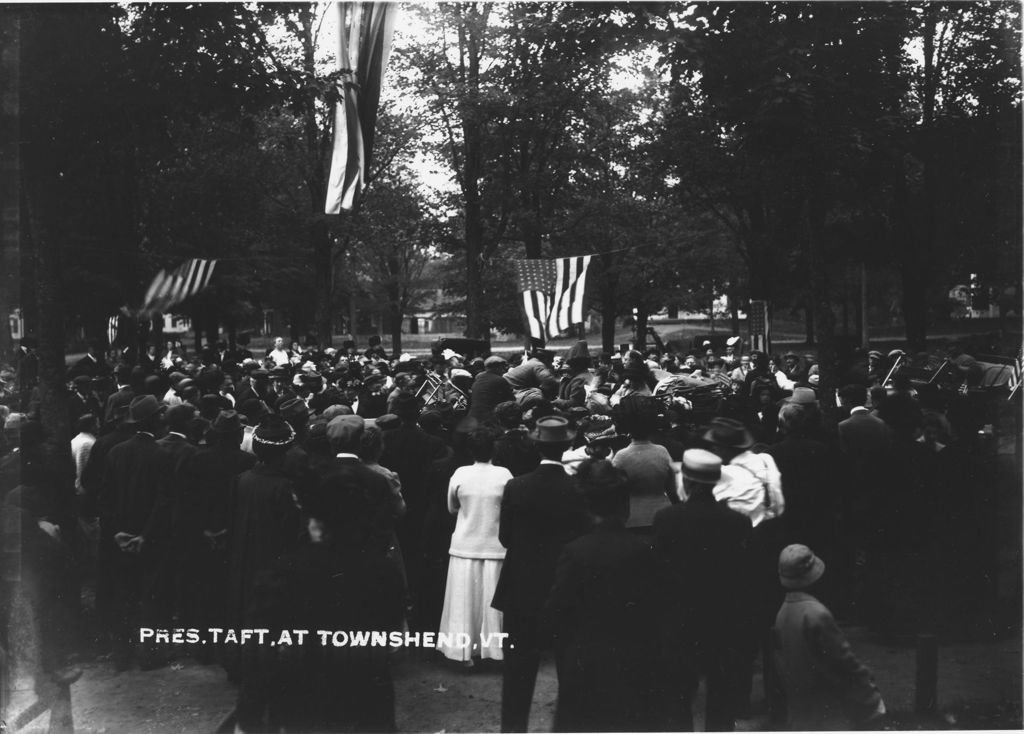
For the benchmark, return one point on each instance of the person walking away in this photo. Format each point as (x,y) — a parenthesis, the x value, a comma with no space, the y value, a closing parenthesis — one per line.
(826,686)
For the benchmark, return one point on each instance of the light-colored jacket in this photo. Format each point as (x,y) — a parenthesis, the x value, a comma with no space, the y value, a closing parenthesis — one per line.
(827,687)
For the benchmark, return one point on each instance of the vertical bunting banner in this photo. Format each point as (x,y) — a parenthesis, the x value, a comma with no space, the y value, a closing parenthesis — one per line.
(553,294)
(364,44)
(112,330)
(760,327)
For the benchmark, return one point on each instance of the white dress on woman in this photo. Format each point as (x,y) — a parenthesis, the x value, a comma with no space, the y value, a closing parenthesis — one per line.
(469,625)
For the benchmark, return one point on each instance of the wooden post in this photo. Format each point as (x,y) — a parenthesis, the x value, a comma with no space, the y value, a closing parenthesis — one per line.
(926,675)
(864,305)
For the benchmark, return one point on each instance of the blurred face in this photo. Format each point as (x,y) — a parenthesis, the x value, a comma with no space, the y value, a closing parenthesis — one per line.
(729,349)
(710,353)
(279,343)
(745,362)
(690,361)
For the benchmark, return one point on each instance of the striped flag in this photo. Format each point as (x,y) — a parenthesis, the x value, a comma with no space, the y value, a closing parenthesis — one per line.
(364,44)
(112,330)
(760,326)
(552,293)
(169,289)
(1015,373)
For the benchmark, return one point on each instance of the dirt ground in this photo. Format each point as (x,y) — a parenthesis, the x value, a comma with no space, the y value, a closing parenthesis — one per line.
(979,686)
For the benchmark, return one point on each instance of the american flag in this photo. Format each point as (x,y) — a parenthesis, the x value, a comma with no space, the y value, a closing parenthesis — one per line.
(364,44)
(169,289)
(552,293)
(1015,373)
(112,330)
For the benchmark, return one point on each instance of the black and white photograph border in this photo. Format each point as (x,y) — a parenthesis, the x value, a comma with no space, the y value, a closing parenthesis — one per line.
(304,301)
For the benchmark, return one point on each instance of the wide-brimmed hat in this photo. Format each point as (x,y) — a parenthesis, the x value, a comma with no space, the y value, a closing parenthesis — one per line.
(730,433)
(226,421)
(552,429)
(700,465)
(273,430)
(802,396)
(144,407)
(799,567)
(294,411)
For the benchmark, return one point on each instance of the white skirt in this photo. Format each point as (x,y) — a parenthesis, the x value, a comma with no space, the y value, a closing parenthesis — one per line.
(470,627)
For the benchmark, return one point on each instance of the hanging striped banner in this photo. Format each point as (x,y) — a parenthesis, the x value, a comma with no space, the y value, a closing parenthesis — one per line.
(112,330)
(169,289)
(364,44)
(553,294)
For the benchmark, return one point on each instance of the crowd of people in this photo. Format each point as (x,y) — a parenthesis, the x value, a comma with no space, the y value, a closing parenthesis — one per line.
(559,502)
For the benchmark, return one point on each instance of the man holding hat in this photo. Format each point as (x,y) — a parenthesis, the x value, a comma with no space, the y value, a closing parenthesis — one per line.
(702,547)
(490,388)
(750,483)
(540,513)
(827,687)
(572,392)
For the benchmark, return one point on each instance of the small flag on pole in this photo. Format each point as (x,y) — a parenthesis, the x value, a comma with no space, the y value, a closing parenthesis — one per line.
(553,293)
(169,289)
(112,330)
(364,44)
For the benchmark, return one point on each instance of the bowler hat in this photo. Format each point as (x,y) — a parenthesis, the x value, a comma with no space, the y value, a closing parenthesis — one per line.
(701,466)
(144,407)
(227,421)
(552,429)
(730,433)
(799,567)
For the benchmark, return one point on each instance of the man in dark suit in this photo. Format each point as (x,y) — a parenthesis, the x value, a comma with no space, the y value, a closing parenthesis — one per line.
(603,611)
(82,399)
(572,391)
(175,448)
(540,513)
(489,389)
(123,395)
(134,510)
(92,364)
(862,436)
(702,547)
(410,452)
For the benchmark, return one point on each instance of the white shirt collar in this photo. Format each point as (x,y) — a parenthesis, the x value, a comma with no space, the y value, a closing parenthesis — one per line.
(858,409)
(344,455)
(551,461)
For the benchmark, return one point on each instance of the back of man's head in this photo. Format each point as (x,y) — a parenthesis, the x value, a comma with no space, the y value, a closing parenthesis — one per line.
(853,395)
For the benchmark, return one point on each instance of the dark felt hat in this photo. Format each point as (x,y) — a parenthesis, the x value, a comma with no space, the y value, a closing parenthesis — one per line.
(294,411)
(730,433)
(227,421)
(578,352)
(143,408)
(345,428)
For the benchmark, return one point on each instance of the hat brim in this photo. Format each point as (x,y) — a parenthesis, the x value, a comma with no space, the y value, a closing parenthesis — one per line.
(570,435)
(815,572)
(155,414)
(746,440)
(705,477)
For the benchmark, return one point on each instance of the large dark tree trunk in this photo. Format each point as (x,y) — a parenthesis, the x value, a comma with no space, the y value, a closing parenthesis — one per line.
(321,241)
(821,302)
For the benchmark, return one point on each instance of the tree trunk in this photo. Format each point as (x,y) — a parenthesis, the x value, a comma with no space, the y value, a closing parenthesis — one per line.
(824,318)
(609,304)
(321,241)
(809,330)
(734,314)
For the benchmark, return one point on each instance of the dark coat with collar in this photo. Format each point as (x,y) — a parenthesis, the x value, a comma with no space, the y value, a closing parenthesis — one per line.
(134,497)
(122,397)
(379,499)
(702,547)
(540,513)
(864,437)
(603,612)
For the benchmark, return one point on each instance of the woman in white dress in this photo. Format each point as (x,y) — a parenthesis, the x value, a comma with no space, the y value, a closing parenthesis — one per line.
(469,626)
